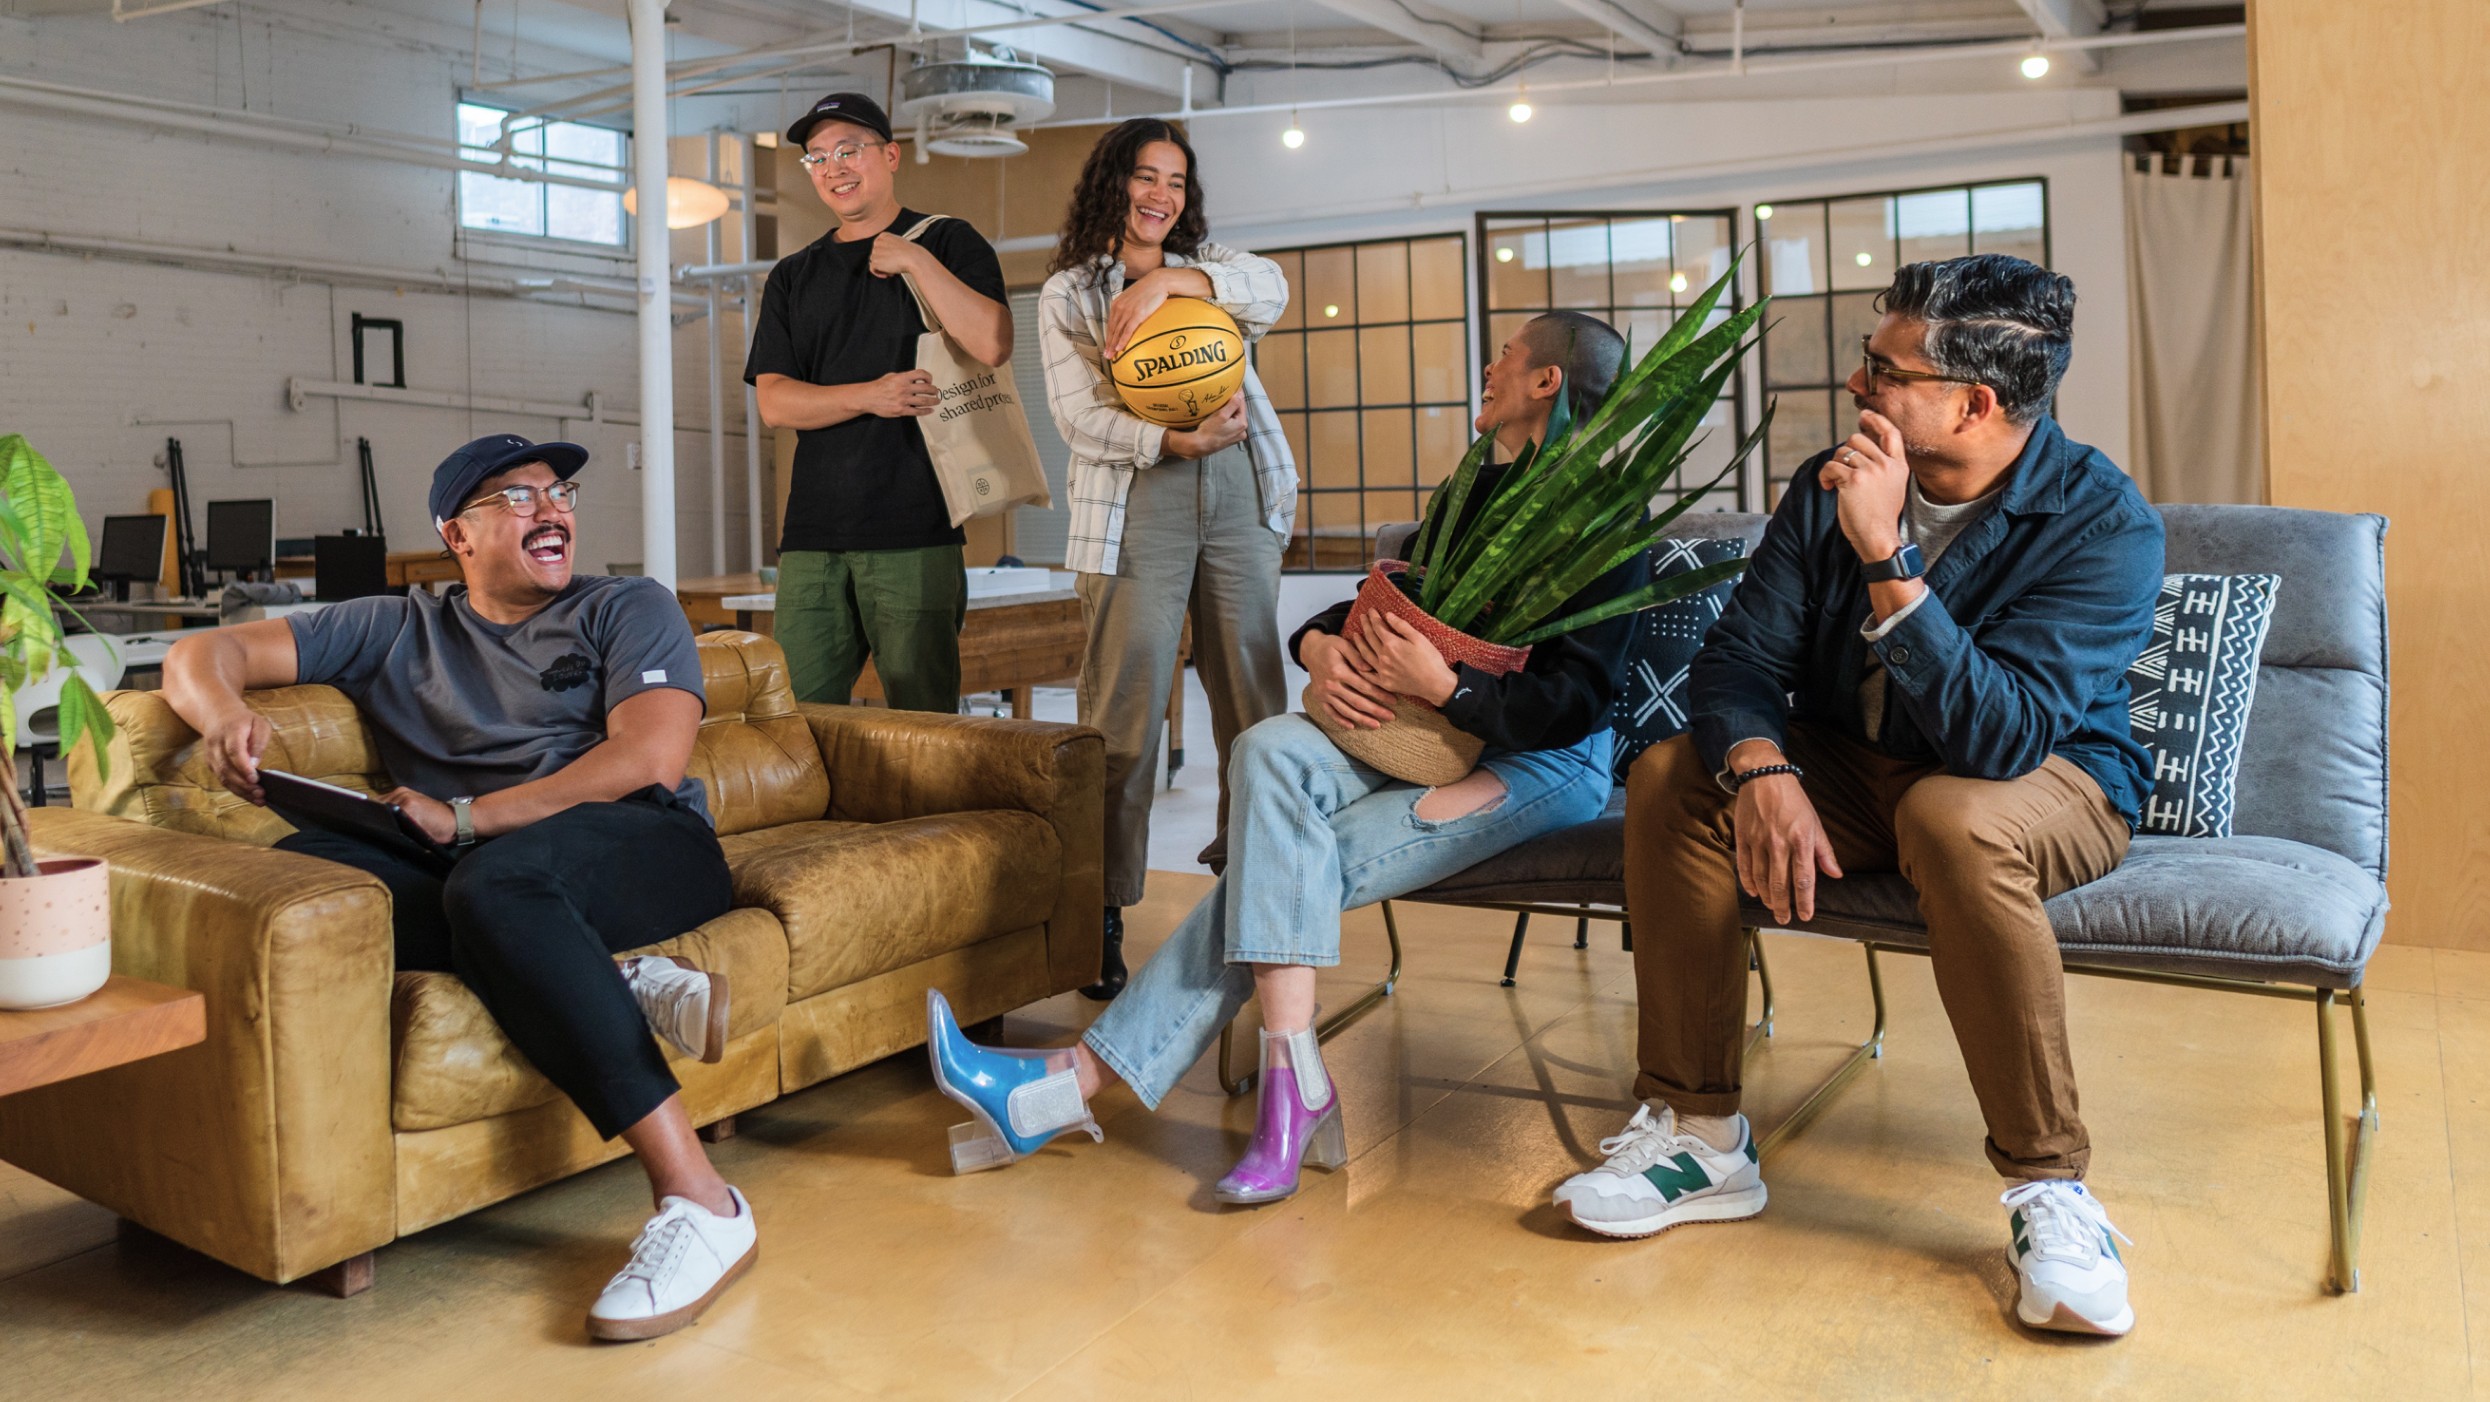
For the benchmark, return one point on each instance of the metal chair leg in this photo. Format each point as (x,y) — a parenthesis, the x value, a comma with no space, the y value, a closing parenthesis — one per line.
(1234,1084)
(1625,935)
(1867,1051)
(2347,1166)
(1513,956)
(1763,974)
(1582,932)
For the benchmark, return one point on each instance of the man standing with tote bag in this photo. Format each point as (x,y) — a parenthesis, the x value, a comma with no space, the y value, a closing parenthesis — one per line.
(869,563)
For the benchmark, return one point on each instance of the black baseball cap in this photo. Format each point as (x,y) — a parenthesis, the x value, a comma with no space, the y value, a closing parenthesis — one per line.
(454,481)
(842,107)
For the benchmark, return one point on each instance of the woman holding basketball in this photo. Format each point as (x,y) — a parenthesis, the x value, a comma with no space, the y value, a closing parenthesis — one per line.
(1313,833)
(1165,522)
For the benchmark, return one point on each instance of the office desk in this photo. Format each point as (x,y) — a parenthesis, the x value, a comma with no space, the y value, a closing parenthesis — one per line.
(140,613)
(421,567)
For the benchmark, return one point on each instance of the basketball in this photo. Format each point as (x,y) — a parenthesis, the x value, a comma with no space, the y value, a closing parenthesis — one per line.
(1185,361)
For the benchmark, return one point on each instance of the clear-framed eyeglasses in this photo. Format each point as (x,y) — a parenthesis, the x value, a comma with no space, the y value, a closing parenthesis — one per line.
(523,500)
(846,153)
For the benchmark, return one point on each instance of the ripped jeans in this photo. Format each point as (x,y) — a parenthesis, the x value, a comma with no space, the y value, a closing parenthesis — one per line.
(1312,833)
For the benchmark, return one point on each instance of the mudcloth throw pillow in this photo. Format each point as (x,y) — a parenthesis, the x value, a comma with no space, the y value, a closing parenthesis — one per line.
(1651,700)
(2190,693)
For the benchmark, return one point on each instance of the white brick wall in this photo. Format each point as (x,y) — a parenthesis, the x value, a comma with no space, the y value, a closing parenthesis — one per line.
(101,359)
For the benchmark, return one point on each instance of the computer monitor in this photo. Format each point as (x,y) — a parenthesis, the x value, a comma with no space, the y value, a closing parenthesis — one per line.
(131,552)
(242,535)
(349,566)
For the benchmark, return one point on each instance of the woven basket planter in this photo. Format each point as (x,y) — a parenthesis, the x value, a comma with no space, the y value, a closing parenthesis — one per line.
(1417,745)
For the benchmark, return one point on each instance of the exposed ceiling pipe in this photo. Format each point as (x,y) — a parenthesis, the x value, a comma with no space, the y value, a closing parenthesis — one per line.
(2008,48)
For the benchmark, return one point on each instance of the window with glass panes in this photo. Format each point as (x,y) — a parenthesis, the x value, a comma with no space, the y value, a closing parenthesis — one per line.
(1635,270)
(1824,263)
(534,208)
(1368,372)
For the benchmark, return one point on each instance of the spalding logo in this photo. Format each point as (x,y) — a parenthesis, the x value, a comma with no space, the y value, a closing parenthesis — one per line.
(1150,367)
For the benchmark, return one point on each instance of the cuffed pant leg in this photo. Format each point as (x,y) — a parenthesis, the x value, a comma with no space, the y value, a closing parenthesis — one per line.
(1690,966)
(536,917)
(912,603)
(1983,856)
(816,624)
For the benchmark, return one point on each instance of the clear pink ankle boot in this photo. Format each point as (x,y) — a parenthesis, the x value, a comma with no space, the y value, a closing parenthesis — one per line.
(1299,1122)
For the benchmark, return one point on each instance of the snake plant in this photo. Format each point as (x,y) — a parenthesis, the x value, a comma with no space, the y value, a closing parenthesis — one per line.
(1579,502)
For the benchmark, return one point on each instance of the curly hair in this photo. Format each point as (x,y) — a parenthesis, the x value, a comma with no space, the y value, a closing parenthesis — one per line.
(1094,224)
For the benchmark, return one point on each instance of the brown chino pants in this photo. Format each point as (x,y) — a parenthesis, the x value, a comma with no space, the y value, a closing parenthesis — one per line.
(1982,855)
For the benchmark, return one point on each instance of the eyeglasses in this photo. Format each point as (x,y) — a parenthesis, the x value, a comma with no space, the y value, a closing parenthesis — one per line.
(846,153)
(522,501)
(1877,369)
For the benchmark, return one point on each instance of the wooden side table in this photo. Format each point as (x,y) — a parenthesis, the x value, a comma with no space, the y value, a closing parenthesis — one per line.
(128,1019)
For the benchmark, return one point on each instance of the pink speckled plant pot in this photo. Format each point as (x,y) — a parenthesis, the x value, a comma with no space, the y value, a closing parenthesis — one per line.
(55,933)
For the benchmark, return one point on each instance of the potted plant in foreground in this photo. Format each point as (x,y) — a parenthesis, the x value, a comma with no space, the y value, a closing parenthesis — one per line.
(55,916)
(1570,509)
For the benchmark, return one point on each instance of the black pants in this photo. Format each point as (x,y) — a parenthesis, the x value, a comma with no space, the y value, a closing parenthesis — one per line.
(531,920)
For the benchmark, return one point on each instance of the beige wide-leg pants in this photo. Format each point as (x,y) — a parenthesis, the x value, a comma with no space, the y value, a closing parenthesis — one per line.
(1194,541)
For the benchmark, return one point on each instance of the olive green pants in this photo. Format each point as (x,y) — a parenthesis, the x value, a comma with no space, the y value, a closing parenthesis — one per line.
(902,608)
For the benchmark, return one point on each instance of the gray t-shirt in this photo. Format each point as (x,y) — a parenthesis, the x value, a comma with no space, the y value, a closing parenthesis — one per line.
(1932,528)
(463,706)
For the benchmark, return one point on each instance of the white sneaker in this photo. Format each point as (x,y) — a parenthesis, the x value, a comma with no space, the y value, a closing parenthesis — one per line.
(1657,1178)
(2062,1248)
(683,1005)
(686,1257)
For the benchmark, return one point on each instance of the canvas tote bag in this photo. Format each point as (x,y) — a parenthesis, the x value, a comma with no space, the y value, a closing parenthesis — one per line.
(977,435)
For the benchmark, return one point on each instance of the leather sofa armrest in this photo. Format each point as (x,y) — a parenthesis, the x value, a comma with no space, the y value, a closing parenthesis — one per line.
(268,1146)
(886,765)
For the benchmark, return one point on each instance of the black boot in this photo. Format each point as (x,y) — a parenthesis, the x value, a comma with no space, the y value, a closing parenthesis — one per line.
(1110,960)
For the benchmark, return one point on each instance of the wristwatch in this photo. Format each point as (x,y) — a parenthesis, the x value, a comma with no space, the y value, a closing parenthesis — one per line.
(463,809)
(1904,565)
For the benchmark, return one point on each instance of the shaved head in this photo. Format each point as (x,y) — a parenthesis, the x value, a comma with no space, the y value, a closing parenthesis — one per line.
(1587,349)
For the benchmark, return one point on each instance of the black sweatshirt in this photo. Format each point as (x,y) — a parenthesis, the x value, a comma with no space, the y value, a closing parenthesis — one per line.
(1562,693)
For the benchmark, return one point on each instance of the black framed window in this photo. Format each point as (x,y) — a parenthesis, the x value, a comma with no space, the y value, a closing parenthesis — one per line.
(1368,374)
(1824,261)
(1635,270)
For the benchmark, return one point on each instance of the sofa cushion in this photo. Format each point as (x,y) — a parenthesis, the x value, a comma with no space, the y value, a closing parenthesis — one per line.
(860,899)
(2190,693)
(755,754)
(1651,696)
(452,1065)
(2261,908)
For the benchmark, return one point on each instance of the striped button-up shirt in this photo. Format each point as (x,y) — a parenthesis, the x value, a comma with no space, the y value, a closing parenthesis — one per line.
(1109,442)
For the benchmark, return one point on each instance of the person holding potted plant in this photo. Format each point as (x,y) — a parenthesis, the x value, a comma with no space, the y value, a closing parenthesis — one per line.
(1166,523)
(1313,832)
(1926,672)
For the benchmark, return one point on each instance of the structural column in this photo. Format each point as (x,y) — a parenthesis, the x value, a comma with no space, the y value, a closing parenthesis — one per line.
(656,296)
(2372,132)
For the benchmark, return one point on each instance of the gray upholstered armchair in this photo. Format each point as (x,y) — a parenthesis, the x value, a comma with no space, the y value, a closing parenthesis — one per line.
(2291,906)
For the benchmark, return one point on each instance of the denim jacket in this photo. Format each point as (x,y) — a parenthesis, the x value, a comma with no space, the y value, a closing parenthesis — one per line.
(2035,613)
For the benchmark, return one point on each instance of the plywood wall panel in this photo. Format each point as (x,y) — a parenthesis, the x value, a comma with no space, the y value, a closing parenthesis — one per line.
(2372,131)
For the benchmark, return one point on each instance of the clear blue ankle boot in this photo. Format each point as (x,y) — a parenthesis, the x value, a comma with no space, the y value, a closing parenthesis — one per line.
(1021,1099)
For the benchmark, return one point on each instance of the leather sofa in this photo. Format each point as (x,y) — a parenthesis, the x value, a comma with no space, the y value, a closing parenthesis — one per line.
(339,1103)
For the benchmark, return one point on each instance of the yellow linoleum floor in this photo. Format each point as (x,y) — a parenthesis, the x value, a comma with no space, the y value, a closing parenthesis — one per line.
(1432,1266)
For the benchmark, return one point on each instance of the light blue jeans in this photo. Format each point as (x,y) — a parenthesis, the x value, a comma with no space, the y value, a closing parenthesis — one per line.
(1311,833)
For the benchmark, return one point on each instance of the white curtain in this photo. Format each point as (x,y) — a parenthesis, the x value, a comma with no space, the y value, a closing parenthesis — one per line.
(2194,381)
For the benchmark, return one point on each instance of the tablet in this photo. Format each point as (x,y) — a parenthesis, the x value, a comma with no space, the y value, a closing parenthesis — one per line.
(310,803)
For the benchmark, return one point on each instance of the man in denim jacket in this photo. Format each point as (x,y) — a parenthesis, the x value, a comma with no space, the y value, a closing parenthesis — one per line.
(1923,671)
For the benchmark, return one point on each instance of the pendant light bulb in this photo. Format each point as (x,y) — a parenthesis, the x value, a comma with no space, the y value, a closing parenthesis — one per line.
(2036,66)
(1521,109)
(1295,136)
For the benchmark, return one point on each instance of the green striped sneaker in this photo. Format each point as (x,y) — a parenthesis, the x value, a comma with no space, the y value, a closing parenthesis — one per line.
(2065,1255)
(1657,1178)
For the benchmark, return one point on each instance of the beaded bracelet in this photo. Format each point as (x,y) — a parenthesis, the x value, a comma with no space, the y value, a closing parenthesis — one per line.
(1738,781)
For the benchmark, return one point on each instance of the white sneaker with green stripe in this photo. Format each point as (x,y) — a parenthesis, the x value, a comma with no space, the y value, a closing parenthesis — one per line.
(1657,1178)
(2066,1253)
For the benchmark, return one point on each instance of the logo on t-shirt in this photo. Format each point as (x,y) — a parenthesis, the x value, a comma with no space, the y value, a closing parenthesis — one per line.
(569,670)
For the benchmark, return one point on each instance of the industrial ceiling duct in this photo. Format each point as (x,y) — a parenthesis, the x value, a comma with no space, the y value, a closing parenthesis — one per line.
(970,107)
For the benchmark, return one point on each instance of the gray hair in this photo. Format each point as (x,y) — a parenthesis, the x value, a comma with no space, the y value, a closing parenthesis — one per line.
(1996,319)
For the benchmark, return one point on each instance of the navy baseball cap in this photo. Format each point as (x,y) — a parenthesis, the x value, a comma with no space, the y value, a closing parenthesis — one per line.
(842,107)
(454,481)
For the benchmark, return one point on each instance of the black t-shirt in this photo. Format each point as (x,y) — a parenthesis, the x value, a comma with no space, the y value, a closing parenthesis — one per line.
(826,319)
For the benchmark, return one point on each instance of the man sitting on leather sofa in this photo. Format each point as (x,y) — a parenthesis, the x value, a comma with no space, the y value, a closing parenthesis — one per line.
(539,725)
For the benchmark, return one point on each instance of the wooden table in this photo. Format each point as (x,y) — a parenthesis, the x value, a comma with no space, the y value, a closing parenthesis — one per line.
(1011,643)
(405,567)
(128,1019)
